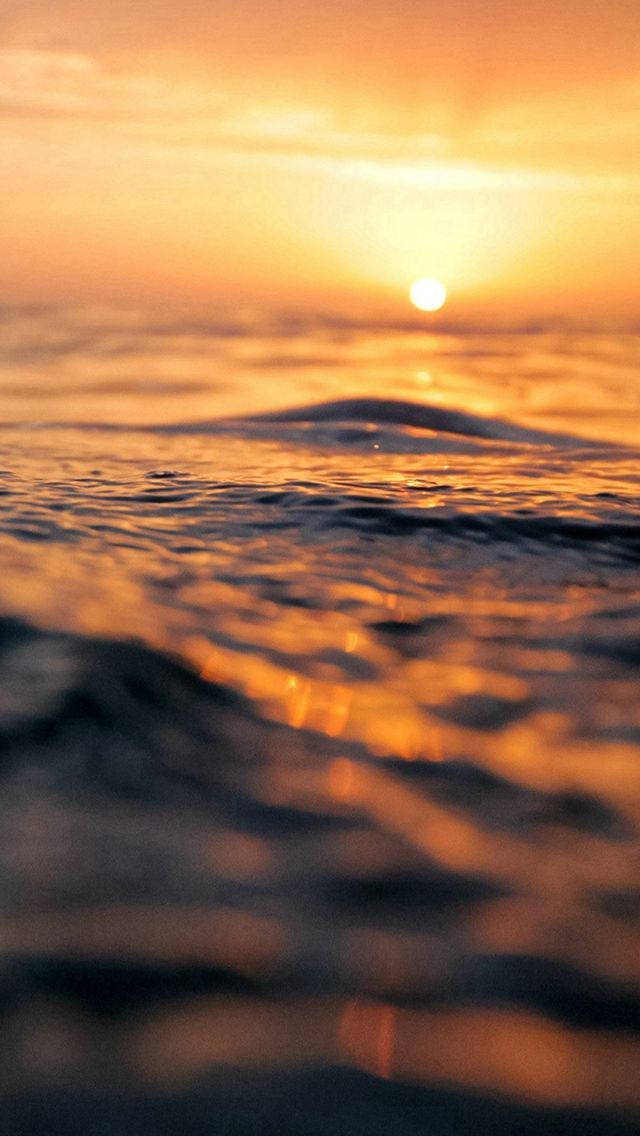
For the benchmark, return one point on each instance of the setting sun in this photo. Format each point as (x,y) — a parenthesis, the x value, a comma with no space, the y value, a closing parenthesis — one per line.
(429,294)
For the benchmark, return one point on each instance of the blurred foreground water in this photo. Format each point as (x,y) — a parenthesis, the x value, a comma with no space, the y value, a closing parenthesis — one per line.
(320,728)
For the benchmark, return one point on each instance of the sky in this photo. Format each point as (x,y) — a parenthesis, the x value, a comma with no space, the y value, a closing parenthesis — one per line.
(302,153)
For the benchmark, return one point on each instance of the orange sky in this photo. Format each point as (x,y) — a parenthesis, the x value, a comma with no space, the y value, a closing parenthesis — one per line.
(304,152)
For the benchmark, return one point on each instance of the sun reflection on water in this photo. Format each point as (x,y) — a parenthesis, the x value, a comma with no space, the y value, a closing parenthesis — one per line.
(416,845)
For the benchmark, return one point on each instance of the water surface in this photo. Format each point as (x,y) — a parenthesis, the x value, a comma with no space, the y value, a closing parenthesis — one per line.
(320,726)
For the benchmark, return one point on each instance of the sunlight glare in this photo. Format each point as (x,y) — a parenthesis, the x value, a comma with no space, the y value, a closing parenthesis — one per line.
(428,294)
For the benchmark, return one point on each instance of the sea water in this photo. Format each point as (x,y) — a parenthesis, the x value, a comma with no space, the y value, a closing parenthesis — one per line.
(320,726)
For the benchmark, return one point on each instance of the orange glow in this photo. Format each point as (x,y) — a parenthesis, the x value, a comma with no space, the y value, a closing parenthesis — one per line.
(367,1034)
(517,1054)
(338,714)
(219,935)
(342,781)
(139,173)
(298,694)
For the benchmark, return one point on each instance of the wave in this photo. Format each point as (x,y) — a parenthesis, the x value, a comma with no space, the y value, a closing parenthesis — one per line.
(299,508)
(418,416)
(354,419)
(428,514)
(157,900)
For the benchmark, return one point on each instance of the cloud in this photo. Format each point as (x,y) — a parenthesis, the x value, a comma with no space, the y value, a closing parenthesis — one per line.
(72,84)
(405,61)
(548,141)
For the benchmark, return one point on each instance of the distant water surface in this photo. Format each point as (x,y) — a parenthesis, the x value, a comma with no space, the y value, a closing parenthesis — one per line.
(320,724)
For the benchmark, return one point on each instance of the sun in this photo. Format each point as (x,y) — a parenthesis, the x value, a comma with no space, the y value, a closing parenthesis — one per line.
(429,294)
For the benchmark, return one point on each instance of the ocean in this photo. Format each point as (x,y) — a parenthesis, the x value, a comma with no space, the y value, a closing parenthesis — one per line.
(320,726)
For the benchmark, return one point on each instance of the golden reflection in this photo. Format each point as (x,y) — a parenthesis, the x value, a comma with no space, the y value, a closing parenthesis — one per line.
(435,743)
(513,1054)
(607,769)
(516,1054)
(223,936)
(366,1035)
(383,717)
(352,642)
(338,714)
(342,779)
(560,929)
(396,963)
(170,1049)
(455,843)
(460,844)
(239,856)
(211,671)
(297,697)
